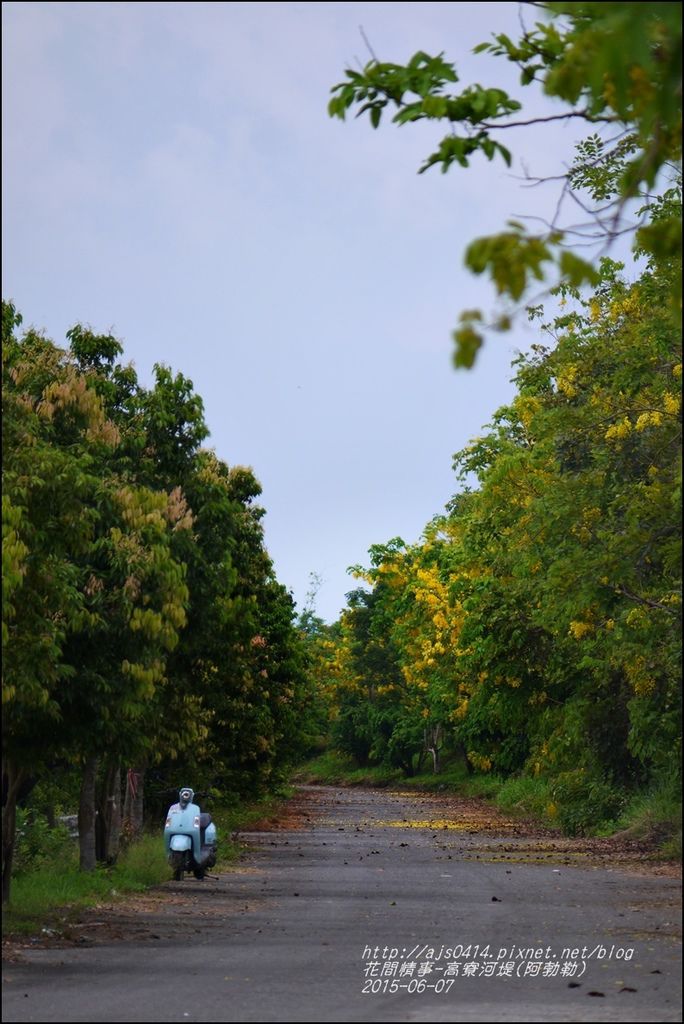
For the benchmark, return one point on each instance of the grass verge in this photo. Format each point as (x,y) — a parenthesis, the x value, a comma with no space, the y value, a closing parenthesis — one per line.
(58,890)
(334,769)
(656,815)
(38,895)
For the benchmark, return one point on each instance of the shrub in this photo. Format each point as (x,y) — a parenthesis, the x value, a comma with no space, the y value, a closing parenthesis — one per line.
(37,843)
(585,802)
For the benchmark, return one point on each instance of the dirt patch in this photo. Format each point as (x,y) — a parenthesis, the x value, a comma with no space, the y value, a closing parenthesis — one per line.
(603,853)
(529,842)
(296,813)
(161,914)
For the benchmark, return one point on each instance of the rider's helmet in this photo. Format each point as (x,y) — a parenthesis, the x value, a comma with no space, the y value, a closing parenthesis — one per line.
(185,795)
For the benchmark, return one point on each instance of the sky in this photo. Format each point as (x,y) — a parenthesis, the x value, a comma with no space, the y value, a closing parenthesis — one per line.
(171,175)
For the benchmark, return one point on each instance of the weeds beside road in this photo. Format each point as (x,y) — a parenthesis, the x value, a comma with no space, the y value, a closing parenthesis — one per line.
(50,889)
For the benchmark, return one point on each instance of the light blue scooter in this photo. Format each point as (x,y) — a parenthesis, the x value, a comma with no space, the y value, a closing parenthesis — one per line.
(189,838)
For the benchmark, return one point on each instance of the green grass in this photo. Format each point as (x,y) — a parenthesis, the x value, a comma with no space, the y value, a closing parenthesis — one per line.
(451,777)
(656,815)
(334,769)
(52,892)
(528,796)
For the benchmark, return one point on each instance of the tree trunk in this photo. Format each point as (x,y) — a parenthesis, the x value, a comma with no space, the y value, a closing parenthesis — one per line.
(108,824)
(133,803)
(87,816)
(464,754)
(433,742)
(14,776)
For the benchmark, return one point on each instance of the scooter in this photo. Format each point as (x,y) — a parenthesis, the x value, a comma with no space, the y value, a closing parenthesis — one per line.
(189,838)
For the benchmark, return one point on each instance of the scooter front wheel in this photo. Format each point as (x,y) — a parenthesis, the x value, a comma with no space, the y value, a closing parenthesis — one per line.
(177,863)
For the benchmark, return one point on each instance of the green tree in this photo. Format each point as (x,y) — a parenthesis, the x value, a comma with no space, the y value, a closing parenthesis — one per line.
(99,584)
(142,620)
(573,622)
(538,622)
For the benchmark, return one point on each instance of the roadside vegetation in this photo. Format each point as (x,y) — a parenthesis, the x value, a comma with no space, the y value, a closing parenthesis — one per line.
(49,889)
(531,636)
(654,816)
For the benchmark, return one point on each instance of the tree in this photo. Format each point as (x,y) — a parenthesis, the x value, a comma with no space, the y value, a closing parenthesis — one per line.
(44,487)
(98,598)
(142,621)
(240,653)
(617,66)
(538,622)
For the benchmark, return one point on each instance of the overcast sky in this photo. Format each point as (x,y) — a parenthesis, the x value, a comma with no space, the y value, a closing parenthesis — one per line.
(170,173)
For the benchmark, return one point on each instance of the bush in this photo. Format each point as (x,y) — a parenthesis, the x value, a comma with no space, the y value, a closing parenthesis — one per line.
(528,795)
(657,815)
(37,843)
(585,803)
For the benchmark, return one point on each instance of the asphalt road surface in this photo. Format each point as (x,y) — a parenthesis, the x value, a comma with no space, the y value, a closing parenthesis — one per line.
(373,906)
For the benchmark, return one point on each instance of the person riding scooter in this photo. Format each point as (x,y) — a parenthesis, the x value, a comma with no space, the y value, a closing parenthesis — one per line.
(189,837)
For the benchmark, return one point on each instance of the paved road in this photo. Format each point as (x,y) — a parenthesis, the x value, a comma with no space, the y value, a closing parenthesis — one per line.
(324,923)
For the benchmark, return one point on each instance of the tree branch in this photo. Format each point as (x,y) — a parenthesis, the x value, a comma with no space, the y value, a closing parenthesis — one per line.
(370,48)
(552,117)
(645,600)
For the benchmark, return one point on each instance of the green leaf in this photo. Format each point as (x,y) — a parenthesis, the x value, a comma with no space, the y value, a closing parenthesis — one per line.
(505,153)
(468,343)
(577,271)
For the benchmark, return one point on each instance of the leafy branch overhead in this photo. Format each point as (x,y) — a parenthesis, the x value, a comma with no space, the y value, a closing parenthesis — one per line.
(424,77)
(618,68)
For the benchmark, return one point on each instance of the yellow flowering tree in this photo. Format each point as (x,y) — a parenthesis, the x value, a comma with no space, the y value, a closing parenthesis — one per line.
(538,622)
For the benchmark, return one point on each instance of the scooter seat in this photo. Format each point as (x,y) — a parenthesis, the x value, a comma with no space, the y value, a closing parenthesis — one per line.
(204,819)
